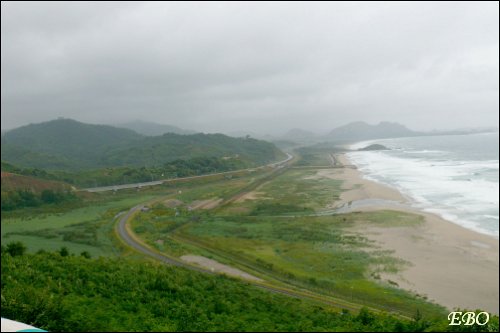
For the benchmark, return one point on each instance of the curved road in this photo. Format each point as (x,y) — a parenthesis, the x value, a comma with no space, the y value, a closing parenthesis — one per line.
(130,241)
(124,234)
(127,238)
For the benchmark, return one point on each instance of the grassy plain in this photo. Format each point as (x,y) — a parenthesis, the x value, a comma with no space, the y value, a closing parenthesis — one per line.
(316,253)
(272,232)
(295,191)
(87,224)
(86,228)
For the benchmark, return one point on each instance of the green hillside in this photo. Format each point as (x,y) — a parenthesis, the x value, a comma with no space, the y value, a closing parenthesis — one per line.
(19,191)
(170,147)
(58,292)
(66,144)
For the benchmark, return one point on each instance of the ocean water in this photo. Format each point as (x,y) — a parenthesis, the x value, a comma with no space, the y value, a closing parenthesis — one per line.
(454,176)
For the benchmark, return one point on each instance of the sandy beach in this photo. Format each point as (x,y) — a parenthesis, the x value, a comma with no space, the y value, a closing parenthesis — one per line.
(452,265)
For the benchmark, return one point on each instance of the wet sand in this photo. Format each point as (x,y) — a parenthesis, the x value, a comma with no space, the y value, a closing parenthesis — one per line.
(452,265)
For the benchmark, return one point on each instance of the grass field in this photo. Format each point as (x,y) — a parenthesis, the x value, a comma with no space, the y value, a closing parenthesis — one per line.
(314,158)
(82,229)
(293,192)
(318,253)
(270,231)
(88,224)
(274,236)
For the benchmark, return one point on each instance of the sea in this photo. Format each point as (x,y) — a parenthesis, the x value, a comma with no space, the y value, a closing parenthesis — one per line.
(454,176)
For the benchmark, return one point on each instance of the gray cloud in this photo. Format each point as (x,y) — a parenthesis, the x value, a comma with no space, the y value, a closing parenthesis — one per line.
(264,67)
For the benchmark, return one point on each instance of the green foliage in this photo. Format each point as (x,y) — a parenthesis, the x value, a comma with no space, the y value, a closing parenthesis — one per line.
(178,168)
(266,208)
(70,145)
(491,326)
(86,225)
(64,251)
(15,249)
(69,294)
(315,253)
(18,199)
(291,192)
(86,255)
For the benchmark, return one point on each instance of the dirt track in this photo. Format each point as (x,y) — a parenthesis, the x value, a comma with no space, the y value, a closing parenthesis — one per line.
(217,267)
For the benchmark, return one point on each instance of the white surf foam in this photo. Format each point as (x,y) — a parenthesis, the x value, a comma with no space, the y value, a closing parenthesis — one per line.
(456,190)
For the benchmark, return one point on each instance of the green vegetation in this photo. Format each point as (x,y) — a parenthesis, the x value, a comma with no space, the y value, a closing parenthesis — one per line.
(17,199)
(72,293)
(261,221)
(82,226)
(275,236)
(20,191)
(316,155)
(15,249)
(314,159)
(318,253)
(125,175)
(66,144)
(291,192)
(86,224)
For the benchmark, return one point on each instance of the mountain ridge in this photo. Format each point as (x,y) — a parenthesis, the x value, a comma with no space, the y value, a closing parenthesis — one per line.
(360,130)
(153,129)
(64,144)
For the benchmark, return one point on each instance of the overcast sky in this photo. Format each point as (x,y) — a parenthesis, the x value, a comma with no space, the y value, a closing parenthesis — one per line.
(262,67)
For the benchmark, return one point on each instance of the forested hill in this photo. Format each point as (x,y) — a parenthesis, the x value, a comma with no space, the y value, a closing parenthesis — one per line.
(66,144)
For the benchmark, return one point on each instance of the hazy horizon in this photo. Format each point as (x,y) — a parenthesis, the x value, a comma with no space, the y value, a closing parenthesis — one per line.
(251,67)
(255,132)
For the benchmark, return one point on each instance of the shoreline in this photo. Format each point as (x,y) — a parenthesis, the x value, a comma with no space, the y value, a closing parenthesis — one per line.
(450,264)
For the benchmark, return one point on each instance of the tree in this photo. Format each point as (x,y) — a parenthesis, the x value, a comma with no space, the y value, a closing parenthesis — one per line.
(64,251)
(85,254)
(16,249)
(28,198)
(49,196)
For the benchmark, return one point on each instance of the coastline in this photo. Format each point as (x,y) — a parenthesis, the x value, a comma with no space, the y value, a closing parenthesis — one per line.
(451,265)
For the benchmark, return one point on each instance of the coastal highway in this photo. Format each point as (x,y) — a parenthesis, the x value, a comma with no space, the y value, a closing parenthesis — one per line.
(158,182)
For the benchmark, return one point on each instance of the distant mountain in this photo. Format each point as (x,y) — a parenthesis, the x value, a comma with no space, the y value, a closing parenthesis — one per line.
(242,134)
(359,130)
(297,134)
(153,129)
(66,144)
(285,144)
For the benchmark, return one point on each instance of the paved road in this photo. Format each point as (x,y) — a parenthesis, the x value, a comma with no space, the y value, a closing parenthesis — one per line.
(158,182)
(125,236)
(129,240)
